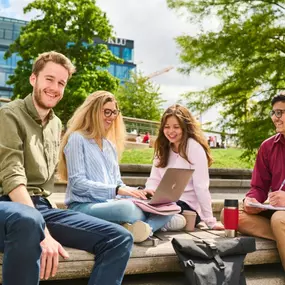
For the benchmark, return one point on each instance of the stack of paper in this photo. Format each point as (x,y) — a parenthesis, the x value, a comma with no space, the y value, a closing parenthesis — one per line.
(266,206)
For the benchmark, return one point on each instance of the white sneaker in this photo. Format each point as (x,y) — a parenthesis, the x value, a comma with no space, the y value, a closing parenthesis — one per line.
(177,223)
(139,229)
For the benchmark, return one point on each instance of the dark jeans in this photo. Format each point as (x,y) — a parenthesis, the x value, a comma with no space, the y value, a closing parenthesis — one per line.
(22,250)
(111,243)
(185,207)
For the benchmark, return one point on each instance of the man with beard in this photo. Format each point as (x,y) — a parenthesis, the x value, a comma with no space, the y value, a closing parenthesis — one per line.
(32,232)
(268,183)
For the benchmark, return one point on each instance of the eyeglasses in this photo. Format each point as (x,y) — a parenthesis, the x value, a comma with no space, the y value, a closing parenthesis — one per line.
(278,113)
(109,112)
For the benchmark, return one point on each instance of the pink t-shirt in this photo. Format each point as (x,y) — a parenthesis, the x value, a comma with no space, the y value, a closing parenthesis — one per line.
(196,193)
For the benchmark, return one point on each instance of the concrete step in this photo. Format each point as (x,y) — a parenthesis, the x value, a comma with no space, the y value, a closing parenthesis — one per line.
(144,170)
(216,185)
(267,274)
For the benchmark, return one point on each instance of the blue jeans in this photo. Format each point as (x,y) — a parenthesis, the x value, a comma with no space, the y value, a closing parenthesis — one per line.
(22,250)
(120,211)
(110,243)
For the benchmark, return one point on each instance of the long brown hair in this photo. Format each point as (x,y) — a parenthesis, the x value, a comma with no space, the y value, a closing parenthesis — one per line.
(87,120)
(190,129)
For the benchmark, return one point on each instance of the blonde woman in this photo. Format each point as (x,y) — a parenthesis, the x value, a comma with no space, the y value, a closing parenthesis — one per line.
(181,144)
(89,162)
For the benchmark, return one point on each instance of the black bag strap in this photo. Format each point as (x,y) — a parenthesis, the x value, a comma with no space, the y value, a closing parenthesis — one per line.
(189,263)
(212,245)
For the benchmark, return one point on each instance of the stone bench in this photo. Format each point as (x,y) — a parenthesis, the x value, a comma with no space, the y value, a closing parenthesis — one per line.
(155,259)
(161,258)
(222,173)
(216,185)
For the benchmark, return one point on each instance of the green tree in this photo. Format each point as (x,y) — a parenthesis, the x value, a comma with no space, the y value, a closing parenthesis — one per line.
(246,52)
(140,98)
(69,27)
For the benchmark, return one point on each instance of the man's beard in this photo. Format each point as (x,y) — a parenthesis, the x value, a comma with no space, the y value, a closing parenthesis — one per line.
(38,98)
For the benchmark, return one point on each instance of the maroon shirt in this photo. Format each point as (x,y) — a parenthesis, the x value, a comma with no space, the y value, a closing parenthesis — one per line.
(146,138)
(269,170)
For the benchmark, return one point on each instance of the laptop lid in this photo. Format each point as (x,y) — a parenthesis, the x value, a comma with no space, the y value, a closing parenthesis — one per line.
(172,185)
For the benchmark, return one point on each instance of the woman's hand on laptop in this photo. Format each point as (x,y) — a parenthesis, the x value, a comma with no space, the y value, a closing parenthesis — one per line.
(148,193)
(134,192)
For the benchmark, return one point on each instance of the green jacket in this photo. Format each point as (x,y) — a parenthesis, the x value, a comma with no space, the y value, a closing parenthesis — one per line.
(28,151)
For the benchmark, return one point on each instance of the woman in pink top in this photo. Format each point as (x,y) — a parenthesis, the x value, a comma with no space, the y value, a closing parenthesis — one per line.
(181,144)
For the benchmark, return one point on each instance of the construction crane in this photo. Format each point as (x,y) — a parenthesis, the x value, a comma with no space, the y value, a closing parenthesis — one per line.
(159,72)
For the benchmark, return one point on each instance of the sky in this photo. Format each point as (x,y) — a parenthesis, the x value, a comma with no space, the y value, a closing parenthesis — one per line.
(153,27)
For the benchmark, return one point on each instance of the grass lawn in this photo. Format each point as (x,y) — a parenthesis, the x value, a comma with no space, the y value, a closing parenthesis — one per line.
(223,158)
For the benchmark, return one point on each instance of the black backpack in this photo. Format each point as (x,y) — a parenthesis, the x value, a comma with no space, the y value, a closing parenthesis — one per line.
(214,262)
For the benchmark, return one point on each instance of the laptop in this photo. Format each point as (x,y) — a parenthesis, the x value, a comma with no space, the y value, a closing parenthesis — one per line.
(171,186)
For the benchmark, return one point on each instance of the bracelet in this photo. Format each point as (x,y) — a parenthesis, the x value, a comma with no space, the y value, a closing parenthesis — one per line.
(117,189)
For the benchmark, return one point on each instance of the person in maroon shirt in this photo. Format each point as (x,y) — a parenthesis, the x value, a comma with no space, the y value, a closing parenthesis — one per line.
(267,183)
(146,138)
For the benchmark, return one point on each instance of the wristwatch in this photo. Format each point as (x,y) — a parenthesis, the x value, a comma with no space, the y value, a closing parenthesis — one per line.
(117,189)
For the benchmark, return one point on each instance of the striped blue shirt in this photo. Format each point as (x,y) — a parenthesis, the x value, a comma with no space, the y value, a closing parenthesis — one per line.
(93,174)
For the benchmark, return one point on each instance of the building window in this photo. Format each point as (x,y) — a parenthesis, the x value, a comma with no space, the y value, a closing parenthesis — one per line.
(5,62)
(4,76)
(122,72)
(128,54)
(2,79)
(111,69)
(7,78)
(15,58)
(16,35)
(6,94)
(8,35)
(115,50)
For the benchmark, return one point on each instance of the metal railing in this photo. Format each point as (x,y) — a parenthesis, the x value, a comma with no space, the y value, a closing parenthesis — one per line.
(3,101)
(141,126)
(12,20)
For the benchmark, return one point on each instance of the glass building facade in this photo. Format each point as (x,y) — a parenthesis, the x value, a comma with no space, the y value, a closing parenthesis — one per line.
(124,49)
(10,30)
